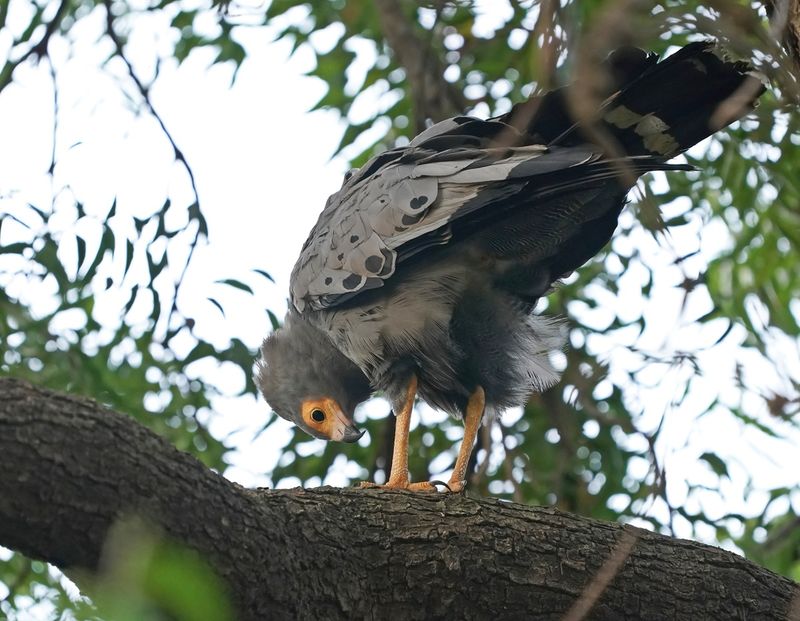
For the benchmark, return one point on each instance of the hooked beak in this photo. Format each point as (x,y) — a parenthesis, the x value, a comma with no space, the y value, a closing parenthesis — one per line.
(347,430)
(324,418)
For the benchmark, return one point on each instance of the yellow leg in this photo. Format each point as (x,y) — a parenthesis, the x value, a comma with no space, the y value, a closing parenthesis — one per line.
(472,422)
(398,479)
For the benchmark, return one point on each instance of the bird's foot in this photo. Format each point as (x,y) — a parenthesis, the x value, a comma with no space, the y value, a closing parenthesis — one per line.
(456,486)
(422,486)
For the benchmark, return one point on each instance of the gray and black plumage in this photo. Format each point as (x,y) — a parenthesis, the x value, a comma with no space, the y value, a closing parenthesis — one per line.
(430,259)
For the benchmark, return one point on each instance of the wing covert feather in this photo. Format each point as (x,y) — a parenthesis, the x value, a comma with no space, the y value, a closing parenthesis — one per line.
(463,174)
(373,222)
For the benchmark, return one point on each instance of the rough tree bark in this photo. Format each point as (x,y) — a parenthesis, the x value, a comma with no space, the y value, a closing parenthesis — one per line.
(434,97)
(785,18)
(70,468)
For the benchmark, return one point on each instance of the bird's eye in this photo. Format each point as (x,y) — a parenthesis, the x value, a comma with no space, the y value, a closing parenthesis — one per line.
(317,415)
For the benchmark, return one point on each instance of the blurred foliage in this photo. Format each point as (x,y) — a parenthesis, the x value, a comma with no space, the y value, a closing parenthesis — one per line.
(591,444)
(148,577)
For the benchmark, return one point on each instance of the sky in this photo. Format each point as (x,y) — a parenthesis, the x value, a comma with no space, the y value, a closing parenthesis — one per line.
(263,165)
(264,169)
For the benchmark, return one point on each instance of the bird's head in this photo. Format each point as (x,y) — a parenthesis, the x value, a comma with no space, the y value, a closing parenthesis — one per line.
(309,382)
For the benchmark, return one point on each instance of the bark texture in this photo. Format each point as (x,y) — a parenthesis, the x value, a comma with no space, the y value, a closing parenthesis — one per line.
(70,468)
(785,18)
(434,97)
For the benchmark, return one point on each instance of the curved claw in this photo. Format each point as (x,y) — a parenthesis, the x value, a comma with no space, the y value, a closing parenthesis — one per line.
(457,486)
(422,486)
(443,484)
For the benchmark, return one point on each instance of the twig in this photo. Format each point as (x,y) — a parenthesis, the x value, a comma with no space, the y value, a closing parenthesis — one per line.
(658,489)
(40,49)
(433,96)
(607,572)
(177,153)
(52,166)
(145,93)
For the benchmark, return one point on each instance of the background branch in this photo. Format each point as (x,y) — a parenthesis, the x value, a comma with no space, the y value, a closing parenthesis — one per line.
(38,50)
(434,98)
(194,209)
(784,15)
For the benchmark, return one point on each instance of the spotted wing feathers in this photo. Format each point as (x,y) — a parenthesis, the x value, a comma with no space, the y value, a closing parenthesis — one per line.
(462,175)
(403,209)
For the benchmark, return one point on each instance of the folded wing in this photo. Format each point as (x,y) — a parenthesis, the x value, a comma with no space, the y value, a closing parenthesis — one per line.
(464,174)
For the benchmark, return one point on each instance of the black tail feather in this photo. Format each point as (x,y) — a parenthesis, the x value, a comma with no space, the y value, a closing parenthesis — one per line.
(653,108)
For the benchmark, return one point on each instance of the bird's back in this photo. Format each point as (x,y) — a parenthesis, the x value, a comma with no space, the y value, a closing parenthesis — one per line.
(432,256)
(462,173)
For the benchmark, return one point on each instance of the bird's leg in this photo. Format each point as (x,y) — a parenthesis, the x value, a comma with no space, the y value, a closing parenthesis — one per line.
(399,473)
(398,479)
(472,421)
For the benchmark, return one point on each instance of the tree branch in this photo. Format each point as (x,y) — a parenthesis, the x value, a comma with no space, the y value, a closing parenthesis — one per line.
(194,210)
(784,15)
(39,50)
(434,97)
(71,469)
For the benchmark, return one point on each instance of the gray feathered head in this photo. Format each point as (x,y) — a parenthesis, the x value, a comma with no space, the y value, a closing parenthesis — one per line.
(307,381)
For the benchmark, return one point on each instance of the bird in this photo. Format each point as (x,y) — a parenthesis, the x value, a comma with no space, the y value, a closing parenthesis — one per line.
(421,275)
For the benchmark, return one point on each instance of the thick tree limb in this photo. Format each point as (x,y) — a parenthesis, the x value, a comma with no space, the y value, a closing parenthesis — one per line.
(70,468)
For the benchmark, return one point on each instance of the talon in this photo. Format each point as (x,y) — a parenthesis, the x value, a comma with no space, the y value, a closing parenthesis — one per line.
(398,479)
(457,486)
(442,483)
(421,486)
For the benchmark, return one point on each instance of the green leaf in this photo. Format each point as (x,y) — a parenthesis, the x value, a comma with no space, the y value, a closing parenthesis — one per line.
(184,19)
(279,7)
(15,248)
(264,274)
(128,256)
(81,247)
(218,305)
(716,463)
(131,300)
(196,215)
(106,246)
(273,320)
(200,351)
(155,267)
(236,284)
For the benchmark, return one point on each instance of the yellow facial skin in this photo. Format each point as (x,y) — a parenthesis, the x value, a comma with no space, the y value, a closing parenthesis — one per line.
(324,416)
